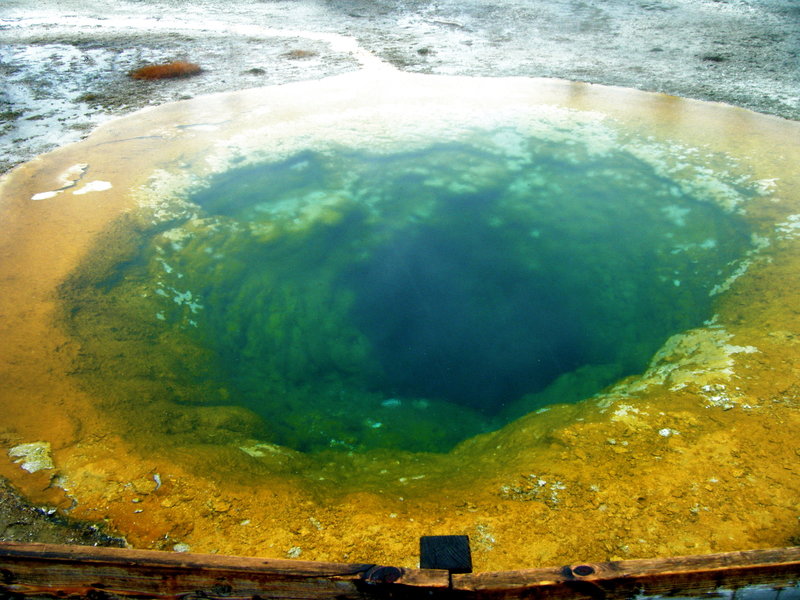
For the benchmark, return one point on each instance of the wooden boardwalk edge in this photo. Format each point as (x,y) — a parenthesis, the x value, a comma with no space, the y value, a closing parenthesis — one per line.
(55,571)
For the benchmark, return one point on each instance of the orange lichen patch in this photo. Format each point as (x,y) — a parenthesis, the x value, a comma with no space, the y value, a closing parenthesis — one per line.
(178,68)
(299,53)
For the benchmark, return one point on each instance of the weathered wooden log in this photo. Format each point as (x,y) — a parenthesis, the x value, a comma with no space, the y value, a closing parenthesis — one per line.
(51,571)
(770,573)
(43,570)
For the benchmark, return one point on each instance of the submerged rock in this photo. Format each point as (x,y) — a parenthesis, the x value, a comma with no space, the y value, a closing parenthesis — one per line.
(34,456)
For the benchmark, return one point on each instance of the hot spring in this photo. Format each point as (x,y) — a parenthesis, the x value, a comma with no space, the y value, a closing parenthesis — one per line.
(411,299)
(321,320)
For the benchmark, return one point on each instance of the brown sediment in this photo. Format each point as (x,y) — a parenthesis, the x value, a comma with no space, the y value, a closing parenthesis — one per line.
(178,68)
(698,454)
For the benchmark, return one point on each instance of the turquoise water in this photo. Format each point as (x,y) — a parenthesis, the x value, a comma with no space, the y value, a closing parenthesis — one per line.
(412,300)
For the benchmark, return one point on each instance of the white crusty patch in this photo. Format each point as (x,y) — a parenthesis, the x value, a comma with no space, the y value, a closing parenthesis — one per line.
(34,456)
(93,186)
(69,178)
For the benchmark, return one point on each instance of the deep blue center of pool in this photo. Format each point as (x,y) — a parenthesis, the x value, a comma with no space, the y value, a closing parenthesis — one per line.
(455,314)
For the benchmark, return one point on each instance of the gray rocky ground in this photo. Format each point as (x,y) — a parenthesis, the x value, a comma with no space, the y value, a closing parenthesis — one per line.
(64,67)
(65,63)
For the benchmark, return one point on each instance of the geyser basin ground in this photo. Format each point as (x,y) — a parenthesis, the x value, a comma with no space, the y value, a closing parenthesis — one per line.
(135,322)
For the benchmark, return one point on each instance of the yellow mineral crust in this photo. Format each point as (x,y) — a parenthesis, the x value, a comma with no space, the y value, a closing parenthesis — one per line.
(698,454)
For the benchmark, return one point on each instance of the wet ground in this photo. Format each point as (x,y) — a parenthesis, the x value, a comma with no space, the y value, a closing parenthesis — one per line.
(65,70)
(21,521)
(65,65)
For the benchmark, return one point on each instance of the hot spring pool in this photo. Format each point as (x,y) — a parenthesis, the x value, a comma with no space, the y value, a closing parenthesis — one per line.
(324,319)
(413,299)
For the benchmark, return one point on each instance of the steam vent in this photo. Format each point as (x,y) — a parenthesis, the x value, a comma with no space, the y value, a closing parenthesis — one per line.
(325,319)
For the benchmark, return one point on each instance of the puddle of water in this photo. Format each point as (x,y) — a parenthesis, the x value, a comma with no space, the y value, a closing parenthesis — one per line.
(217,323)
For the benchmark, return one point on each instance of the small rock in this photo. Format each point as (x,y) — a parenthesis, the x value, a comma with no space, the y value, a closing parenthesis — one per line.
(144,485)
